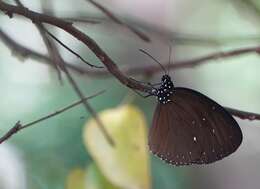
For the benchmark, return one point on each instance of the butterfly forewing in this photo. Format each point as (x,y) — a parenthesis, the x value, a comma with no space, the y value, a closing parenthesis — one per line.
(192,129)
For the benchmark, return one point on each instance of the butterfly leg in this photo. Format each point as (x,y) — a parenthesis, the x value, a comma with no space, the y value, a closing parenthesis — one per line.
(140,94)
(154,84)
(147,83)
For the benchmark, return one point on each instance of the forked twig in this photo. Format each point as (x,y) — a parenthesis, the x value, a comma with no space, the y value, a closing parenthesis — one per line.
(18,126)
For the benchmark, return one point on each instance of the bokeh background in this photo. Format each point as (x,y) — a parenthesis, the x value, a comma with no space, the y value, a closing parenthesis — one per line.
(43,156)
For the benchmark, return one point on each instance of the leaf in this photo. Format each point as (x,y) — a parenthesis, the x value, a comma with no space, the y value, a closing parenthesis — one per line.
(91,178)
(96,180)
(76,179)
(127,163)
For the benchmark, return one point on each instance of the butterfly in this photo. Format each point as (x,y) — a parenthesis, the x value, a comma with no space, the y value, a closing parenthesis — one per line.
(189,127)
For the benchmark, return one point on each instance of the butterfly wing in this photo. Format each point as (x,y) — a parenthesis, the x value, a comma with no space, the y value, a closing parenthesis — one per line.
(193,129)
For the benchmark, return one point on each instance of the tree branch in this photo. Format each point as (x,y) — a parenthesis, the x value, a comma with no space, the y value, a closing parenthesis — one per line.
(18,126)
(149,70)
(112,67)
(68,27)
(140,34)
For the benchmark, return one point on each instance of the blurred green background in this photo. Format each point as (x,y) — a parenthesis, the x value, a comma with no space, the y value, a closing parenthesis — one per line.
(42,156)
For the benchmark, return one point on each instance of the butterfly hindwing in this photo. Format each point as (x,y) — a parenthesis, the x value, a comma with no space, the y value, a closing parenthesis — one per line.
(193,129)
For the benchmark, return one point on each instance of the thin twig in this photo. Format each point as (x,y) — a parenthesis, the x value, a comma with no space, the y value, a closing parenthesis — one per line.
(24,53)
(150,70)
(83,20)
(140,34)
(56,63)
(39,27)
(70,50)
(54,52)
(89,108)
(18,126)
(243,114)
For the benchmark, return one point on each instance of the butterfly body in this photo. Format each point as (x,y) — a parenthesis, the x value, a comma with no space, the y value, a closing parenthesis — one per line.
(165,90)
(190,128)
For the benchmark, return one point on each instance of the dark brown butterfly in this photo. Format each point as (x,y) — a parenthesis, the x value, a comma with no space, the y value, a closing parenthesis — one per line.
(190,128)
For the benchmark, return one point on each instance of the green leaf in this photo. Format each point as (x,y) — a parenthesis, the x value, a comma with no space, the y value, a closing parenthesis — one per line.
(127,163)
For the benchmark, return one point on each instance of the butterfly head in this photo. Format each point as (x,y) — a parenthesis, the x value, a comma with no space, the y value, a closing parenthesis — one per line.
(165,90)
(166,78)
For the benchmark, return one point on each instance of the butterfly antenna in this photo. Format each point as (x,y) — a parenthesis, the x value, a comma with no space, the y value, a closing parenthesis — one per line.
(146,53)
(170,57)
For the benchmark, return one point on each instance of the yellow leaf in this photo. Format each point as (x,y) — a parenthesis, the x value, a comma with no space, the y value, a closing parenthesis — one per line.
(76,179)
(127,163)
(95,179)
